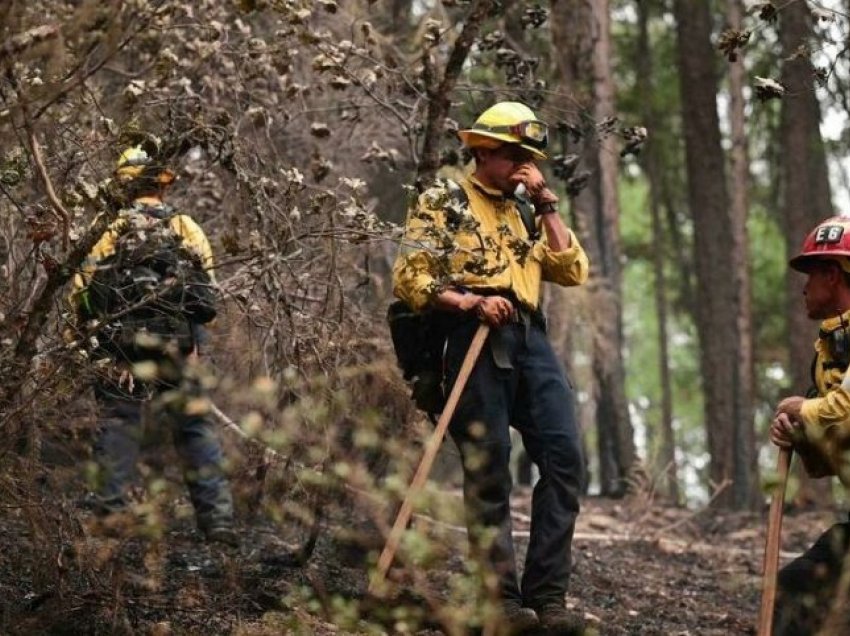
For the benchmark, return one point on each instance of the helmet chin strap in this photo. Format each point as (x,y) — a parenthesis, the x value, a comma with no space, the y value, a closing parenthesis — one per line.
(836,311)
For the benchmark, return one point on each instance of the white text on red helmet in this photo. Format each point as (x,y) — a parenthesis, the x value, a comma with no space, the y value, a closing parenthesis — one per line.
(829,234)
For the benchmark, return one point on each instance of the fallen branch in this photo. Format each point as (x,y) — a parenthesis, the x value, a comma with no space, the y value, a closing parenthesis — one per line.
(601,537)
(723,486)
(269,454)
(300,557)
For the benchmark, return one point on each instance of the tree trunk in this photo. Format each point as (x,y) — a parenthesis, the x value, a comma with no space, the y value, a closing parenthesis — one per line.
(805,197)
(585,71)
(746,460)
(613,374)
(728,409)
(666,453)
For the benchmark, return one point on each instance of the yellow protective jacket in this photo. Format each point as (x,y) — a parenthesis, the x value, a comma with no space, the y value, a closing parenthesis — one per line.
(480,245)
(193,236)
(825,446)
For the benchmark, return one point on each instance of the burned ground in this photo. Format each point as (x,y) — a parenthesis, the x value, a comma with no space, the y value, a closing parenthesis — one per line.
(639,568)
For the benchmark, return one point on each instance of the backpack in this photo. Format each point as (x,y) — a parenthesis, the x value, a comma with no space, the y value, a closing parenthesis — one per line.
(419,338)
(150,291)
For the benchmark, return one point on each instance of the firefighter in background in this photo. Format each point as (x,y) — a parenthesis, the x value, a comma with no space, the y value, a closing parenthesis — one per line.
(493,274)
(174,396)
(817,427)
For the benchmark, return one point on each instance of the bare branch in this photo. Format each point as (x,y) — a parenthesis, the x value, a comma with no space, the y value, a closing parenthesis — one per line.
(55,203)
(438,101)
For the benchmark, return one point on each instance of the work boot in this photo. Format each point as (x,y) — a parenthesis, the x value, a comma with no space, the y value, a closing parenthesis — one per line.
(221,533)
(103,506)
(557,620)
(519,619)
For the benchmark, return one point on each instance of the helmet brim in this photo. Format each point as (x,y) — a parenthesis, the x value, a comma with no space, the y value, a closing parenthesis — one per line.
(485,139)
(128,174)
(804,262)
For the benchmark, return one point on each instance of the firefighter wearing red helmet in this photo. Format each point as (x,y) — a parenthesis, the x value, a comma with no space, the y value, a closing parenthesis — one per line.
(817,427)
(829,240)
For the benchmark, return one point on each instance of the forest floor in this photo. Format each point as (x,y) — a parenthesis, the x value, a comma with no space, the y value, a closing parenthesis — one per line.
(639,568)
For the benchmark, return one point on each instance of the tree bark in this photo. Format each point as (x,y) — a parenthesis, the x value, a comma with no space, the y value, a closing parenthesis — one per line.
(746,460)
(728,407)
(806,199)
(666,454)
(581,33)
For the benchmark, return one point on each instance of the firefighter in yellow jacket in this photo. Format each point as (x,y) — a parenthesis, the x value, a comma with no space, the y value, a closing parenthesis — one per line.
(474,252)
(163,336)
(817,427)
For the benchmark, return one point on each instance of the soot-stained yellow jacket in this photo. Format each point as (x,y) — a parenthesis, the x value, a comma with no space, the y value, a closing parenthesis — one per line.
(480,243)
(825,448)
(150,208)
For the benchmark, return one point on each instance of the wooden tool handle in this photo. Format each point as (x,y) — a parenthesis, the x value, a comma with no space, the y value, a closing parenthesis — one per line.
(431,449)
(771,552)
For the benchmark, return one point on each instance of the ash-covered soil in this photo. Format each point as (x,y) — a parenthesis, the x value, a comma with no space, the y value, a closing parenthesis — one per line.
(639,568)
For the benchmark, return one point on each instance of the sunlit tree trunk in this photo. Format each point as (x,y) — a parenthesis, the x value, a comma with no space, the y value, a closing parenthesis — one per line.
(805,197)
(727,405)
(665,457)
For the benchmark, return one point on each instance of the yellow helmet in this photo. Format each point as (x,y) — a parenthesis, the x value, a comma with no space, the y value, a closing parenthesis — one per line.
(135,161)
(508,122)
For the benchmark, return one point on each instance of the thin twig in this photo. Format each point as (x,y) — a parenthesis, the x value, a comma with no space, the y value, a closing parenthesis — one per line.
(720,489)
(55,203)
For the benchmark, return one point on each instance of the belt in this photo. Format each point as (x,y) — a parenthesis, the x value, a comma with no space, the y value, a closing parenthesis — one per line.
(525,316)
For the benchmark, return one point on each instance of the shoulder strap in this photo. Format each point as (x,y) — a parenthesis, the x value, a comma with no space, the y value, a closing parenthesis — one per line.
(526,213)
(838,343)
(523,205)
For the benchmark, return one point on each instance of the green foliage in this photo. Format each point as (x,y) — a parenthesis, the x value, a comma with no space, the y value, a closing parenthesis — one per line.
(769,264)
(643,383)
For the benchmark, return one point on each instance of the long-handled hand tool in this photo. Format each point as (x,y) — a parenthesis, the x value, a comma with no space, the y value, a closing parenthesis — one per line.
(431,449)
(771,551)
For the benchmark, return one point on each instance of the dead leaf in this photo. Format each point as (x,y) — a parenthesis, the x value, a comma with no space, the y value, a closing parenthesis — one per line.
(767,88)
(730,41)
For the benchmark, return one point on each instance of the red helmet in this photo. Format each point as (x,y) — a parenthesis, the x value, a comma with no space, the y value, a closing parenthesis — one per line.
(829,240)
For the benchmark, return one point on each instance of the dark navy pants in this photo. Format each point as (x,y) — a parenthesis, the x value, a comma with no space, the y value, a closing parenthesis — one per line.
(518,382)
(808,585)
(116,448)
